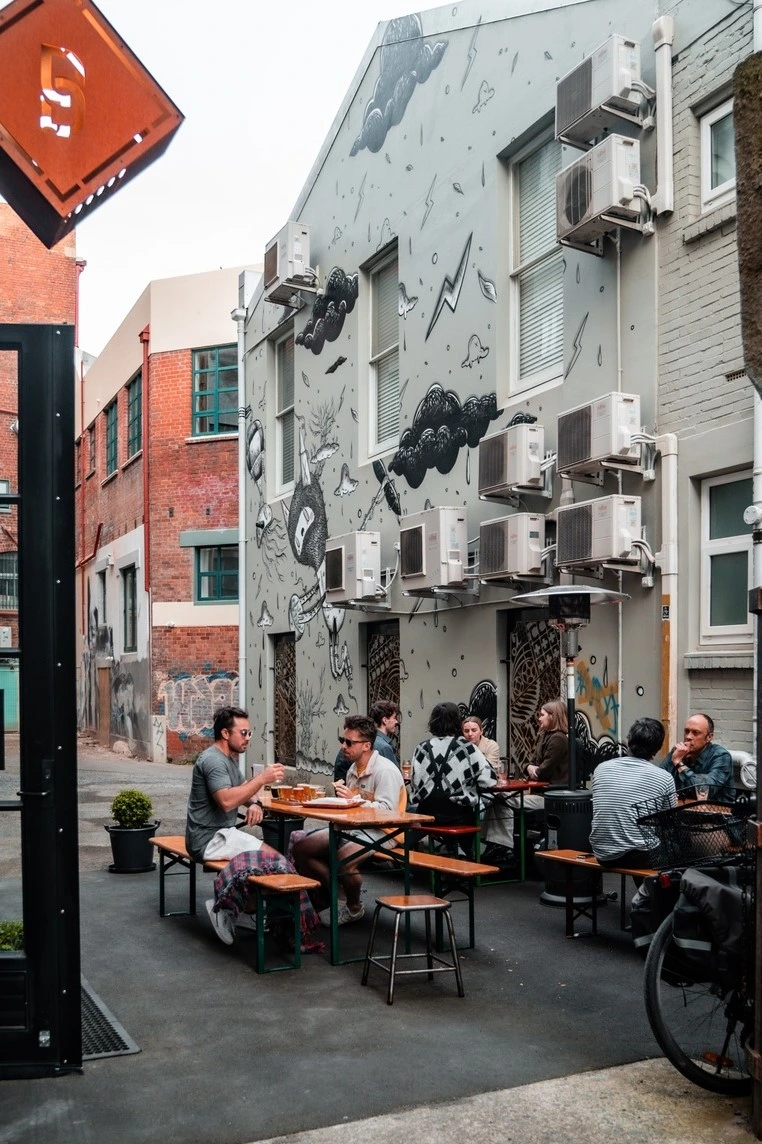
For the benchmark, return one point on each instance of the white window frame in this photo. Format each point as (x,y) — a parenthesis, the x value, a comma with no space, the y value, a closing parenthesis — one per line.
(553,251)
(376,446)
(282,486)
(728,633)
(712,197)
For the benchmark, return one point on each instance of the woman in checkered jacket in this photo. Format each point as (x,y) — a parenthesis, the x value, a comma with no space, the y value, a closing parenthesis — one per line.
(449,774)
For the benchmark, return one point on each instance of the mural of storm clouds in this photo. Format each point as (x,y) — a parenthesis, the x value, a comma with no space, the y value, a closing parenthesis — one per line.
(329,311)
(441,427)
(405,60)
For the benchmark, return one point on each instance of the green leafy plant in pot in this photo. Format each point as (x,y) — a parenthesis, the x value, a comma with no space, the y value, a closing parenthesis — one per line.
(130,837)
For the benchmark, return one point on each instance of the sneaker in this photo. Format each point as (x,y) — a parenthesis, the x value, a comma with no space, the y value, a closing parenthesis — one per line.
(345,915)
(222,922)
(247,922)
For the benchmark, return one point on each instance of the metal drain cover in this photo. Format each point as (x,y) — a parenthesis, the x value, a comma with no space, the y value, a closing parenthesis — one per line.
(102,1034)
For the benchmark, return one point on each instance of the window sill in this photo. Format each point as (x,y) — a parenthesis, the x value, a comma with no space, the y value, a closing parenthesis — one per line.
(131,460)
(90,474)
(713,219)
(111,477)
(211,437)
(213,603)
(719,660)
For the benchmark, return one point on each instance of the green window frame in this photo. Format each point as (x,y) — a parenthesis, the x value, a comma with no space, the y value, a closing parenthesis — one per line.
(215,390)
(217,574)
(91,450)
(110,414)
(129,608)
(135,415)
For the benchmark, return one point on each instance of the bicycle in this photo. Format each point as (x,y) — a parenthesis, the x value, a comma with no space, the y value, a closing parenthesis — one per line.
(697,988)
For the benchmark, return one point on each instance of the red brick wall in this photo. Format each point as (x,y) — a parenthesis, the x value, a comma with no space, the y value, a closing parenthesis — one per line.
(36,285)
(194,485)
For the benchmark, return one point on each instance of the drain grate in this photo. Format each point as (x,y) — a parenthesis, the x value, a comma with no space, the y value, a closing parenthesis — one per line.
(102,1035)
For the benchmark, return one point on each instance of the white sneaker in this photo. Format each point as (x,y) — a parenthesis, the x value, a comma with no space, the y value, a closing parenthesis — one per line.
(344,917)
(222,922)
(248,923)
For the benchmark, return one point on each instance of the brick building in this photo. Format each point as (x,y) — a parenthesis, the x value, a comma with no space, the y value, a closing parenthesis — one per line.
(157,533)
(37,285)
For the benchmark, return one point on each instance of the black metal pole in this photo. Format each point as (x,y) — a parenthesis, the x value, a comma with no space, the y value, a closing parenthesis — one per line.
(754,1051)
(571,643)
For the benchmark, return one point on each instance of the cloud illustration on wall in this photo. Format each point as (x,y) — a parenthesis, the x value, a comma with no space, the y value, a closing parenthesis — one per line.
(405,60)
(441,427)
(329,311)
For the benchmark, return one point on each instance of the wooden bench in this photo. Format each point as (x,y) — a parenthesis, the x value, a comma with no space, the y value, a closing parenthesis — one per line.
(459,872)
(572,860)
(284,888)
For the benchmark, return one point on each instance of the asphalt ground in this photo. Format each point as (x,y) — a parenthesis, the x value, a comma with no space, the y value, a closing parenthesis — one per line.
(229,1057)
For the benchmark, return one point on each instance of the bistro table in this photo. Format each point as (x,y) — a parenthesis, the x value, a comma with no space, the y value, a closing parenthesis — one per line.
(509,787)
(341,820)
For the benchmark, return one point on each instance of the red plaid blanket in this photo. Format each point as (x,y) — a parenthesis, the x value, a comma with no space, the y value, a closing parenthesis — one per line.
(231,889)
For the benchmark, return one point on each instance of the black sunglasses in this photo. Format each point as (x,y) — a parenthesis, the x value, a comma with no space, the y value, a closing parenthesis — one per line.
(350,742)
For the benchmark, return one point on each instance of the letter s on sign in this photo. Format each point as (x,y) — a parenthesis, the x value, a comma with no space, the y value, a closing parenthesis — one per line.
(62,79)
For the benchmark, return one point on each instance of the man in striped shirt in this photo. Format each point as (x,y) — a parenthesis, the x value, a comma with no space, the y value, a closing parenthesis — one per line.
(619,784)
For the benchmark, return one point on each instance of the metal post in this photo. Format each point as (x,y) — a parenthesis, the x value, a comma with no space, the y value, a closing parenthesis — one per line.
(571,642)
(753,1054)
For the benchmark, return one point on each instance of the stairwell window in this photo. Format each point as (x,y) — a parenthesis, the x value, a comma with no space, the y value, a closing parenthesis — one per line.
(134,415)
(718,156)
(215,391)
(129,608)
(726,569)
(111,438)
(384,404)
(285,421)
(536,268)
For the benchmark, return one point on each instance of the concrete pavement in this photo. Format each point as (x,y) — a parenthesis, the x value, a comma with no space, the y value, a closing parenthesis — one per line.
(550,1044)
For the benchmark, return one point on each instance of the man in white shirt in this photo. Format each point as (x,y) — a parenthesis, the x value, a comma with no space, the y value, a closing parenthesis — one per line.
(379,783)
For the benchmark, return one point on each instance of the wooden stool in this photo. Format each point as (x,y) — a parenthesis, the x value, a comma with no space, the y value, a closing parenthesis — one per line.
(281,893)
(407,904)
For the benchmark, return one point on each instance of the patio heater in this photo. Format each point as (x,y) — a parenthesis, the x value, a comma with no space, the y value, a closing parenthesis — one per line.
(569,813)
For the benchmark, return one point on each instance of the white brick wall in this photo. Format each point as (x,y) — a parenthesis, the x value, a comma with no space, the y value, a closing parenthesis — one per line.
(727,696)
(699,327)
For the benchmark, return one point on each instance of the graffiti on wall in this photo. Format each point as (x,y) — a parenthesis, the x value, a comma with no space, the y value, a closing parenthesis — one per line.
(483,703)
(441,427)
(598,695)
(329,311)
(189,702)
(405,60)
(535,677)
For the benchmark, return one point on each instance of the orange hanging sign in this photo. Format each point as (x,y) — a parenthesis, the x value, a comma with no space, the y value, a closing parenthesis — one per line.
(79,114)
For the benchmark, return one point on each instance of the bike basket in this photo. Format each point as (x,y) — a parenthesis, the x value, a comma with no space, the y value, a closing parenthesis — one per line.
(690,835)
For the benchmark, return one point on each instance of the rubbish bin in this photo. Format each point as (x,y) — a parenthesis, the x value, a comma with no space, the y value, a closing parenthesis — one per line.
(277,830)
(568,821)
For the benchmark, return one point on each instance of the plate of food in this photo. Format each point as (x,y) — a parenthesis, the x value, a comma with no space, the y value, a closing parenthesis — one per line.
(335,802)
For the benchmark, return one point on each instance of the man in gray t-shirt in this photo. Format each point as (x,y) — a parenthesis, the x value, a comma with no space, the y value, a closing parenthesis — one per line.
(217,792)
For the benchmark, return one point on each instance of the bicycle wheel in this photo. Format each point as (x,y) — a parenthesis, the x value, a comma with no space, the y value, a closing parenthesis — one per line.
(701,1032)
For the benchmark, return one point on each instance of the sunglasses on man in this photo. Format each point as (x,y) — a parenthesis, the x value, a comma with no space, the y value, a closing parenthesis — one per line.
(350,742)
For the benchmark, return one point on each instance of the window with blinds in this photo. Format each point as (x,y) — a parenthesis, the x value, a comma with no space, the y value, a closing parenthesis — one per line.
(537,268)
(284,412)
(384,360)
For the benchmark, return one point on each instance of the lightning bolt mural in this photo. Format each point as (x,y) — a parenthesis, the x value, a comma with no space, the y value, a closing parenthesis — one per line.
(451,288)
(361,195)
(429,202)
(577,345)
(472,53)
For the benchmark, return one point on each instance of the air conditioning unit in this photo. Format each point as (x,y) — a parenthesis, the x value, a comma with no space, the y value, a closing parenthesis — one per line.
(352,567)
(434,548)
(511,546)
(287,264)
(599,433)
(598,91)
(511,459)
(595,193)
(597,531)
